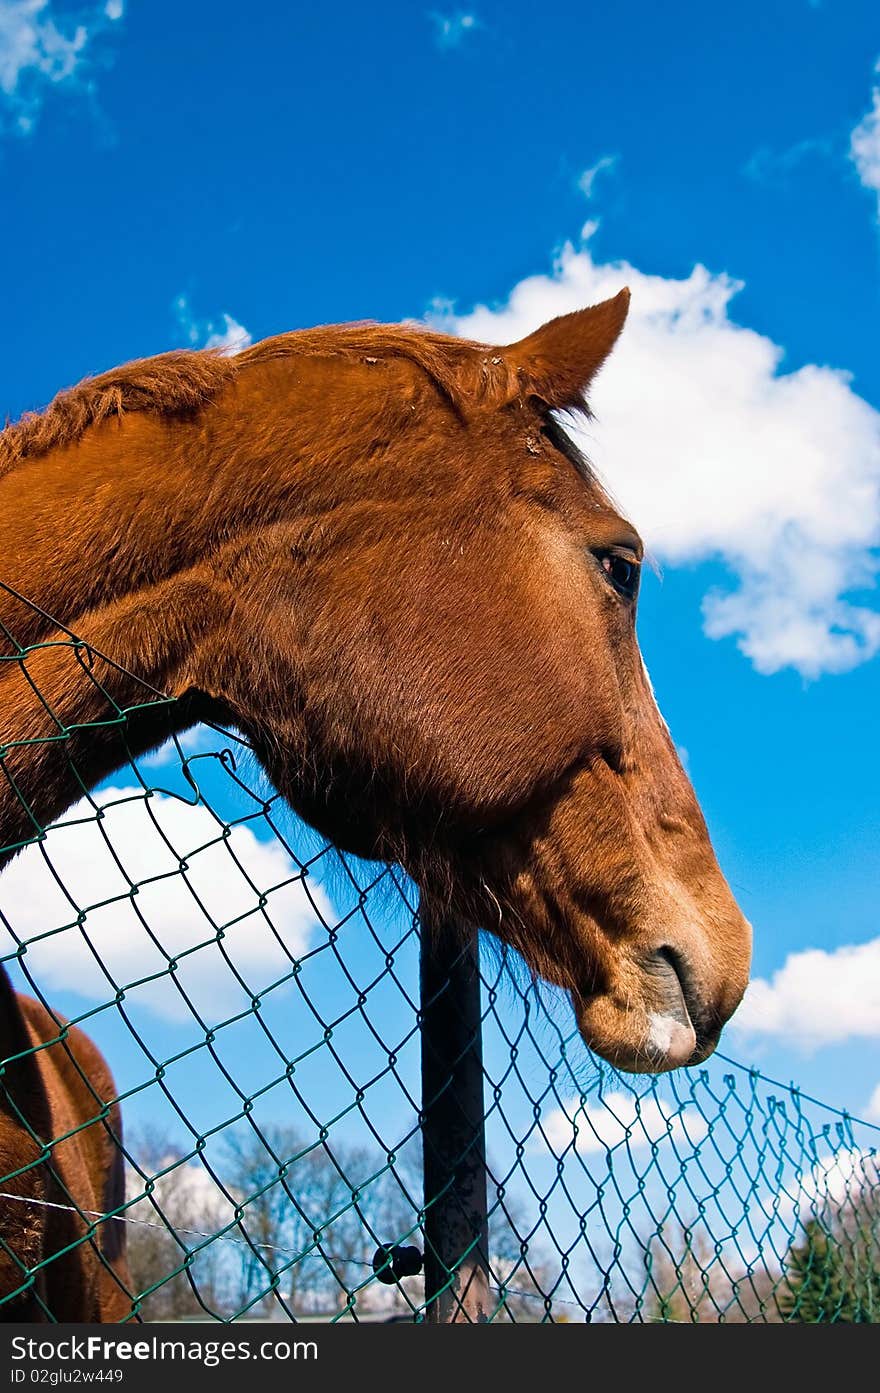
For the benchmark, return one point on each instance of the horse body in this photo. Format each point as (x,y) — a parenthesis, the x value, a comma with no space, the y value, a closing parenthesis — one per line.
(375,552)
(57,1085)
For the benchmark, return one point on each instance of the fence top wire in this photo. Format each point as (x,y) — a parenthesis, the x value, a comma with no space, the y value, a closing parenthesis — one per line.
(256,996)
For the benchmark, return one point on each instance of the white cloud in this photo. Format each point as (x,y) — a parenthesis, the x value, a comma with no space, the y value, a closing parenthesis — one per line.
(232,337)
(228,334)
(185,1193)
(839,1179)
(449,30)
(621,1118)
(190,327)
(716,454)
(768,166)
(588,178)
(817,997)
(834,1184)
(872,1111)
(864,148)
(190,880)
(38,53)
(188,1197)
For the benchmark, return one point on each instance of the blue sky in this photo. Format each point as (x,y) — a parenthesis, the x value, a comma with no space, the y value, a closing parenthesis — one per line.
(171,171)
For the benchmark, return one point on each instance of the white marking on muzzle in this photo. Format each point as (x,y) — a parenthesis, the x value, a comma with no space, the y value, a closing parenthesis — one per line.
(661,1030)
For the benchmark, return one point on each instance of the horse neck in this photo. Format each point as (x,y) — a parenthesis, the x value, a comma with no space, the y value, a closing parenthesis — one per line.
(121,536)
(133,501)
(112,537)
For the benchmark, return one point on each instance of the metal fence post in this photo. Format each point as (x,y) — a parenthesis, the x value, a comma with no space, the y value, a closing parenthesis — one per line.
(453,1124)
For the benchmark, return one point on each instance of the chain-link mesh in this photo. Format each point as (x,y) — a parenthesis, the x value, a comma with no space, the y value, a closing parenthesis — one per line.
(256,996)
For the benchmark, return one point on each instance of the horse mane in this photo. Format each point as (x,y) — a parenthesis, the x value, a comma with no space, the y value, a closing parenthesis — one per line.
(183,382)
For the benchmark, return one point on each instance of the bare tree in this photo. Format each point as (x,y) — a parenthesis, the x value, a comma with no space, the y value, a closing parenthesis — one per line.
(528,1285)
(687,1282)
(315,1215)
(178,1267)
(291,1224)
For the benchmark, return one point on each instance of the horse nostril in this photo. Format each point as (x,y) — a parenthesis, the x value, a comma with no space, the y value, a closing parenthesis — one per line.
(673,984)
(681,988)
(672,959)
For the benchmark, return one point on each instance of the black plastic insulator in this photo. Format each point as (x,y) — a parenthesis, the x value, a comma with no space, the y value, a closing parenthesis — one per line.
(392,1261)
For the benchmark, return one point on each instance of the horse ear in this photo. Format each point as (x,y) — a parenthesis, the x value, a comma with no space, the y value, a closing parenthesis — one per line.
(558,362)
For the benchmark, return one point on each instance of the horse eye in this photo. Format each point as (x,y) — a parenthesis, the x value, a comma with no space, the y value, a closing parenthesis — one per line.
(623,574)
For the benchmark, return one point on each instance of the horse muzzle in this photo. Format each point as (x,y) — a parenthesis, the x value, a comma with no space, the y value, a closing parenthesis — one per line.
(656,1015)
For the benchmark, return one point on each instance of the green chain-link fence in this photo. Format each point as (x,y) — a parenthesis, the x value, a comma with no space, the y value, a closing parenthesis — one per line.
(256,996)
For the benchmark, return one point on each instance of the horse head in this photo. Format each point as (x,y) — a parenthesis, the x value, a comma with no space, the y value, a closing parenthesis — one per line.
(449,676)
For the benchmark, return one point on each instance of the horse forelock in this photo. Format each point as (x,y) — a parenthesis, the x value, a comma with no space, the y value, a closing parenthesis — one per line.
(185,381)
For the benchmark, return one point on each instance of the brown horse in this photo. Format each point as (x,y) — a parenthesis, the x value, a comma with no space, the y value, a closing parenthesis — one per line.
(55,1263)
(375,551)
